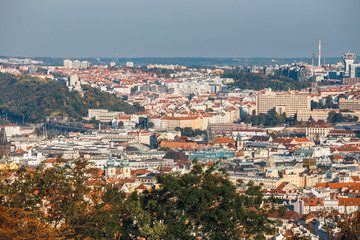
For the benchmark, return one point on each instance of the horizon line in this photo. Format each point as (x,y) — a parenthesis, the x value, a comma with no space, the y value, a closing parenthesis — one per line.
(166,57)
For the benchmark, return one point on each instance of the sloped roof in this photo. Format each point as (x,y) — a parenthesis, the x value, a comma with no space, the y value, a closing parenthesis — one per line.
(176,156)
(289,215)
(349,201)
(313,202)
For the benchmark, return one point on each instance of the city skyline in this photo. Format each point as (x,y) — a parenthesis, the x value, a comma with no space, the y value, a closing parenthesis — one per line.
(235,29)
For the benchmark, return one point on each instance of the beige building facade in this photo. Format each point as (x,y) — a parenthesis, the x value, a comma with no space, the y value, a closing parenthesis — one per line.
(350,104)
(288,103)
(317,114)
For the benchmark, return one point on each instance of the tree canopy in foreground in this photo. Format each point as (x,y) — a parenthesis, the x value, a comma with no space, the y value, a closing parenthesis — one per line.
(73,202)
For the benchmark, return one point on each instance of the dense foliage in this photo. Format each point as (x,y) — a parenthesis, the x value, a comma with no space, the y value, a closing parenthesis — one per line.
(265,119)
(16,223)
(160,72)
(73,202)
(329,103)
(204,204)
(33,99)
(189,132)
(339,117)
(350,228)
(257,81)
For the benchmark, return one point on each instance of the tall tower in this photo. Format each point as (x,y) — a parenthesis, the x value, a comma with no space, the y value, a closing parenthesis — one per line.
(125,166)
(349,59)
(4,144)
(313,60)
(319,64)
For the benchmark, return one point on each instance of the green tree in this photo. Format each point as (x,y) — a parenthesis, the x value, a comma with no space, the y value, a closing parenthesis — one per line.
(187,132)
(38,132)
(350,228)
(256,81)
(77,203)
(266,119)
(151,125)
(335,117)
(205,204)
(16,223)
(40,98)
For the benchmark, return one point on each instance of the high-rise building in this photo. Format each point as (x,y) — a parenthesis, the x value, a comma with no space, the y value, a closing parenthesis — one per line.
(84,65)
(68,63)
(4,144)
(354,70)
(349,59)
(282,103)
(76,64)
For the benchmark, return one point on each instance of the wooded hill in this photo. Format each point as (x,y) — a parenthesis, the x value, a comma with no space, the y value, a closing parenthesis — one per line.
(33,99)
(257,81)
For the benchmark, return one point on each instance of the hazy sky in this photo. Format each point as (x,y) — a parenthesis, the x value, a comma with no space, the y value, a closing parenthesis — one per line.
(178,28)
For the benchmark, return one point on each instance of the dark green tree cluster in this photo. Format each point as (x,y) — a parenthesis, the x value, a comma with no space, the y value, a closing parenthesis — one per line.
(350,227)
(329,103)
(265,119)
(335,117)
(257,81)
(72,200)
(33,99)
(202,204)
(189,132)
(160,72)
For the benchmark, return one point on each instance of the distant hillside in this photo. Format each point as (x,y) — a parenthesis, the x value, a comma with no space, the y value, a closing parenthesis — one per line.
(256,81)
(33,99)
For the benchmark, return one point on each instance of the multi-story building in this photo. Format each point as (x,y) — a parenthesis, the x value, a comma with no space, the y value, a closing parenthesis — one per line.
(317,131)
(350,104)
(67,63)
(280,103)
(349,59)
(351,80)
(103,115)
(76,64)
(183,122)
(316,114)
(310,163)
(84,65)
(129,64)
(73,83)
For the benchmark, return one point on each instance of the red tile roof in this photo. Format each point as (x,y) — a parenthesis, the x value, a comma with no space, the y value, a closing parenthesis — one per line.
(224,140)
(349,201)
(313,202)
(334,185)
